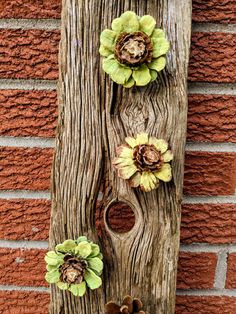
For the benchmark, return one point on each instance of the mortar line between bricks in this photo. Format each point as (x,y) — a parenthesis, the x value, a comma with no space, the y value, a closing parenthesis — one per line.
(30,84)
(221,269)
(190,248)
(212,88)
(47,24)
(52,24)
(30,142)
(208,248)
(193,88)
(25,194)
(50,143)
(214,27)
(231,199)
(23,244)
(207,292)
(211,147)
(23,288)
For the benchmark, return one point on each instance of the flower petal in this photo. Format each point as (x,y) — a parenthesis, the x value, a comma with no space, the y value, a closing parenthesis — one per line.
(148,182)
(165,173)
(117,25)
(95,264)
(160,47)
(95,250)
(69,245)
(160,144)
(60,248)
(81,239)
(62,285)
(168,156)
(52,276)
(127,172)
(53,259)
(153,75)
(130,22)
(130,83)
(142,75)
(93,281)
(84,249)
(122,162)
(109,65)
(51,267)
(131,141)
(135,180)
(128,301)
(121,74)
(142,138)
(157,64)
(137,305)
(105,52)
(124,152)
(147,24)
(158,33)
(78,290)
(107,38)
(113,308)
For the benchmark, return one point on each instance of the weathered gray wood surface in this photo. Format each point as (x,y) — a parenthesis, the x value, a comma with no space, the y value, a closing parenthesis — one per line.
(94,117)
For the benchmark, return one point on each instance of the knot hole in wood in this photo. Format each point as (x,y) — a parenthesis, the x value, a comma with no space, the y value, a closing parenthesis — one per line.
(119,217)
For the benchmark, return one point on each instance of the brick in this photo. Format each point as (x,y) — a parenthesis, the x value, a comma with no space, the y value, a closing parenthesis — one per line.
(214,11)
(24,219)
(25,168)
(205,305)
(208,173)
(28,219)
(208,223)
(22,267)
(26,54)
(32,9)
(196,270)
(212,118)
(203,11)
(28,113)
(24,302)
(231,272)
(213,58)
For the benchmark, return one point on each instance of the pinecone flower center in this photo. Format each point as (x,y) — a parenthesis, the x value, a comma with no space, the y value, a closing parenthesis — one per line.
(133,49)
(147,158)
(72,271)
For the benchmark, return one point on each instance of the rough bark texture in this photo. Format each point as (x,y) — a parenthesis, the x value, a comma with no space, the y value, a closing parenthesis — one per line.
(142,262)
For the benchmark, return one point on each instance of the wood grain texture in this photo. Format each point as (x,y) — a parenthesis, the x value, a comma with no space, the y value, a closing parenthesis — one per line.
(95,115)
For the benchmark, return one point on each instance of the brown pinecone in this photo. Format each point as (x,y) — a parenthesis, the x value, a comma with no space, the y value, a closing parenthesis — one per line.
(72,271)
(129,306)
(147,158)
(133,49)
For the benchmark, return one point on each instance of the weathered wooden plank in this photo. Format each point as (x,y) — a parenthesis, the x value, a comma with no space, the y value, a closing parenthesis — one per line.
(95,114)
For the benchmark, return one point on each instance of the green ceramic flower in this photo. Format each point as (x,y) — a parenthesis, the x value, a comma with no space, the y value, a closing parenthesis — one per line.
(74,265)
(133,50)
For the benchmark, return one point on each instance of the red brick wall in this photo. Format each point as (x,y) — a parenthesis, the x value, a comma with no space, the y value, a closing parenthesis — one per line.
(28,73)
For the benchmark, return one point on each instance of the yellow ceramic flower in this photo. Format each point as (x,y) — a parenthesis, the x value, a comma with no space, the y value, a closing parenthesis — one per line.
(144,161)
(134,50)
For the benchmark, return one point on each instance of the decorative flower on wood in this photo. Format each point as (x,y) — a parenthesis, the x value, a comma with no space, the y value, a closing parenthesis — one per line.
(74,265)
(144,161)
(129,306)
(133,50)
